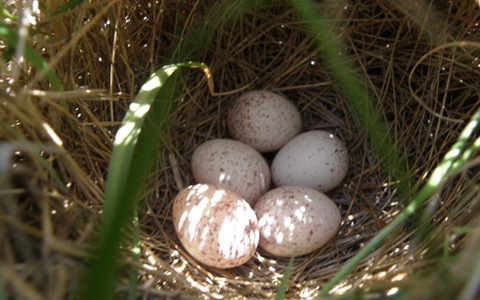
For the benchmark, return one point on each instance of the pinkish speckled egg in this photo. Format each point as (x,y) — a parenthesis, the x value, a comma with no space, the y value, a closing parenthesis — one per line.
(232,165)
(315,159)
(264,120)
(216,226)
(295,220)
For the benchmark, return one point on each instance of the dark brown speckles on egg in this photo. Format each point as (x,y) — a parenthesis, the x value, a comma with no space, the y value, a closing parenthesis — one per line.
(263,119)
(293,218)
(315,159)
(232,165)
(216,226)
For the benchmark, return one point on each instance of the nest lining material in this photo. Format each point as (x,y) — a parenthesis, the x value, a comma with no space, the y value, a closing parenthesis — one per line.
(424,88)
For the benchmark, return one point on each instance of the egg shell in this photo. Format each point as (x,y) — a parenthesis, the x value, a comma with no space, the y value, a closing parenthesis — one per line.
(263,120)
(232,165)
(216,226)
(315,159)
(295,220)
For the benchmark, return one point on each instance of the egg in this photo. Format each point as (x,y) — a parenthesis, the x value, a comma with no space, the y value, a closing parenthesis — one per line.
(295,220)
(263,120)
(315,159)
(216,226)
(232,165)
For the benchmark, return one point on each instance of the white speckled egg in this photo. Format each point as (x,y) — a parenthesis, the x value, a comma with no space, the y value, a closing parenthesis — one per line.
(295,220)
(232,165)
(264,120)
(315,159)
(216,226)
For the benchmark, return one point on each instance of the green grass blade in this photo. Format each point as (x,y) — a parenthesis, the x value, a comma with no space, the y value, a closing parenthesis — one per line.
(130,162)
(3,290)
(136,254)
(10,37)
(118,203)
(99,283)
(282,289)
(357,95)
(150,143)
(353,87)
(220,14)
(453,160)
(4,13)
(67,6)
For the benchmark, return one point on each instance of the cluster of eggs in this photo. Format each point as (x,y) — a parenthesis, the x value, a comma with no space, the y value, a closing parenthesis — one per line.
(232,210)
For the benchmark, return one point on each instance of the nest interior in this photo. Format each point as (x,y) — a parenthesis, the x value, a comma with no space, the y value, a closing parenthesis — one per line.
(423,79)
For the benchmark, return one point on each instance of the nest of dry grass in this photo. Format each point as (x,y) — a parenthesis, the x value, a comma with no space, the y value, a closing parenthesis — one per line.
(424,80)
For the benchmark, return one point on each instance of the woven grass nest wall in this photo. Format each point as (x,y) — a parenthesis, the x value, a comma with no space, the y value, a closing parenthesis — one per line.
(55,158)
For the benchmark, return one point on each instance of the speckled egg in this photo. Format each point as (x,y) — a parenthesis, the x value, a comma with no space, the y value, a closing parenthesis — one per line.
(295,220)
(232,165)
(315,159)
(263,120)
(216,226)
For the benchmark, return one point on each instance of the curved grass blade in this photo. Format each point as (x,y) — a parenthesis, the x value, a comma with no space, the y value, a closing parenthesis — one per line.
(136,253)
(99,284)
(4,13)
(282,289)
(451,162)
(356,93)
(9,36)
(134,147)
(354,90)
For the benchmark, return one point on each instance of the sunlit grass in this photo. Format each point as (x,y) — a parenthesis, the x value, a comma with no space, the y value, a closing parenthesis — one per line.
(11,38)
(353,87)
(133,152)
(144,126)
(357,95)
(139,137)
(282,288)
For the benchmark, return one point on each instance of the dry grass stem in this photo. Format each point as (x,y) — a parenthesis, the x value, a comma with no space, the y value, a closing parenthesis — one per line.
(420,60)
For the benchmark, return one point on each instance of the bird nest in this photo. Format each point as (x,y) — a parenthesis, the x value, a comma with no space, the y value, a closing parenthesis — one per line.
(418,59)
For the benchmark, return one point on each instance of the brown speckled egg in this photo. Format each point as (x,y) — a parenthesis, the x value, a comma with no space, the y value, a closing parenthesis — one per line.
(264,120)
(295,220)
(315,159)
(232,165)
(216,226)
